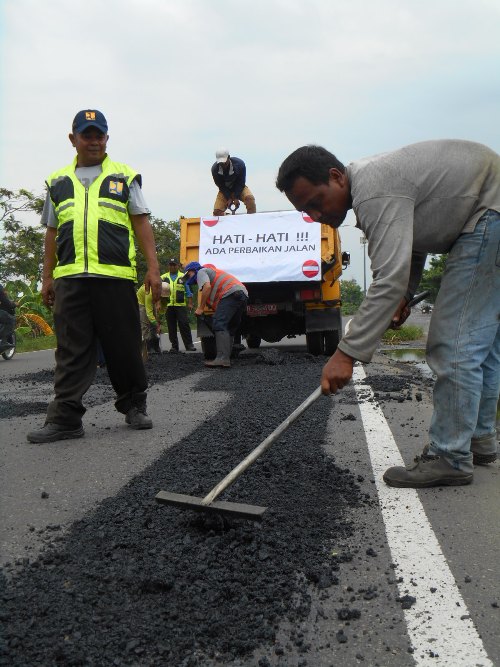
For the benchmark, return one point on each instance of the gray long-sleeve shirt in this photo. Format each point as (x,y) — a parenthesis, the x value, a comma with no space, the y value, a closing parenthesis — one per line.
(411,202)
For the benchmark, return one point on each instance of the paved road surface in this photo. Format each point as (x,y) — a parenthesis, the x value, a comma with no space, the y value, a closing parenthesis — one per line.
(449,536)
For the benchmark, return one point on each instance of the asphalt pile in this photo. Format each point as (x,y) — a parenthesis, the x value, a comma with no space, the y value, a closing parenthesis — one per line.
(137,583)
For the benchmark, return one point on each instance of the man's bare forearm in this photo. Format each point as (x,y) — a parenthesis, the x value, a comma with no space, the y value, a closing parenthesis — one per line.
(146,240)
(49,257)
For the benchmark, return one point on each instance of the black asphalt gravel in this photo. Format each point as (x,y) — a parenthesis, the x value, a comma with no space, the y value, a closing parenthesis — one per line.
(137,583)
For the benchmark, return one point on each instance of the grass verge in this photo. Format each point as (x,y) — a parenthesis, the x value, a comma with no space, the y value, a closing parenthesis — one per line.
(38,343)
(406,333)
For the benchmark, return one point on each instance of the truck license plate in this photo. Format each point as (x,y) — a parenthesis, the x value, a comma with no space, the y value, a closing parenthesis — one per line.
(262,309)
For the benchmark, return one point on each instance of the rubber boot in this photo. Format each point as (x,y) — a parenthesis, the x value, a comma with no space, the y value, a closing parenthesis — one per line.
(155,344)
(237,346)
(223,343)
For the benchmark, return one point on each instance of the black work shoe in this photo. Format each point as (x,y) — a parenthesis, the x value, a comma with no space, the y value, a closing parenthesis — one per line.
(427,470)
(52,432)
(483,459)
(173,350)
(484,449)
(191,348)
(138,418)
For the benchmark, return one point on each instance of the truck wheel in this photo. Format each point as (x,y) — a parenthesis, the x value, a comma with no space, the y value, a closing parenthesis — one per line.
(253,342)
(208,347)
(331,342)
(314,341)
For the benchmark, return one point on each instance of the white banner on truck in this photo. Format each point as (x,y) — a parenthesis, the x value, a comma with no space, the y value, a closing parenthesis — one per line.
(263,247)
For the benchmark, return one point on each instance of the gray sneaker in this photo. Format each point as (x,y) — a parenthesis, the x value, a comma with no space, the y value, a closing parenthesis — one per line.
(137,417)
(426,471)
(52,432)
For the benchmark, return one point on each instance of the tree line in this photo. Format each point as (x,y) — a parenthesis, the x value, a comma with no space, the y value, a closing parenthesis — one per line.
(22,249)
(352,294)
(21,254)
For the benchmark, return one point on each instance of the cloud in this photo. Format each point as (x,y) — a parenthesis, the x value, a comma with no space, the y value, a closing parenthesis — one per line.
(178,79)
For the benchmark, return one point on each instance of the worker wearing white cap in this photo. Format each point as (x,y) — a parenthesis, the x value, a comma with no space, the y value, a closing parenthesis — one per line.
(229,174)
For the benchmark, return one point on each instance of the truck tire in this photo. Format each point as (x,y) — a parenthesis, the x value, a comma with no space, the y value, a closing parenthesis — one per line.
(331,342)
(208,347)
(253,342)
(314,341)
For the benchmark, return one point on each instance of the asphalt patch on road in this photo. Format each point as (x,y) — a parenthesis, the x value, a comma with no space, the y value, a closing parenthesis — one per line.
(137,583)
(26,399)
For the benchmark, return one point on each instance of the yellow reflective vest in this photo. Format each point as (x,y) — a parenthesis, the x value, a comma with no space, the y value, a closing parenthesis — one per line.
(177,289)
(146,300)
(94,230)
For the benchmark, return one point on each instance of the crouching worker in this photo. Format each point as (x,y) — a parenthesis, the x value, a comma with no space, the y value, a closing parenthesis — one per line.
(228,297)
(150,314)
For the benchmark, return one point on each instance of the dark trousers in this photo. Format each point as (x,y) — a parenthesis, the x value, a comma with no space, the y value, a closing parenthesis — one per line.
(229,311)
(87,309)
(7,324)
(178,316)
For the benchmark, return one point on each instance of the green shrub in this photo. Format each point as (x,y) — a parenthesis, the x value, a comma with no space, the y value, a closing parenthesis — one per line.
(21,334)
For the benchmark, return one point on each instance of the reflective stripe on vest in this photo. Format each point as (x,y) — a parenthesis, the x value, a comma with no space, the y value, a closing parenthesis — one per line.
(222,284)
(175,287)
(94,230)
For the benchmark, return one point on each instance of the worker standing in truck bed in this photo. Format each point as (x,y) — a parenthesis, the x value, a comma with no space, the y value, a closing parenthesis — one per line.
(230,174)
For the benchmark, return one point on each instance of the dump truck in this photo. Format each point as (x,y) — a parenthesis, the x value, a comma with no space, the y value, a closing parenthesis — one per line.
(291,269)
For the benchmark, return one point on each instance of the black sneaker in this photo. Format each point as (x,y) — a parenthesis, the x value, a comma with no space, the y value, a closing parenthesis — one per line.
(52,432)
(138,418)
(173,350)
(191,348)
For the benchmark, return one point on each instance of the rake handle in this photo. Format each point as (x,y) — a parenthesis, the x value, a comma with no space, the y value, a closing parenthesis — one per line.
(254,455)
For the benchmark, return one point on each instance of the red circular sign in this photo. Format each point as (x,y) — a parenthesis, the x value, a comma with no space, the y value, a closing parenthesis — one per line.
(310,268)
(210,222)
(307,218)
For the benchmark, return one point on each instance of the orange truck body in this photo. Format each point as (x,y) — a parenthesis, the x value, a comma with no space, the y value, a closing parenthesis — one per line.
(289,308)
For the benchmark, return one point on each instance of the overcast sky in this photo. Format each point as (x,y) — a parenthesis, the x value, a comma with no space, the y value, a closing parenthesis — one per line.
(176,79)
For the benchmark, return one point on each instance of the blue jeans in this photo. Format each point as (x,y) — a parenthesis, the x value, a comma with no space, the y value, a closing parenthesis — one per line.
(229,311)
(463,346)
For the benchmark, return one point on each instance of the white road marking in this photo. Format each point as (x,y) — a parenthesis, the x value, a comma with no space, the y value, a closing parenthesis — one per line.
(439,625)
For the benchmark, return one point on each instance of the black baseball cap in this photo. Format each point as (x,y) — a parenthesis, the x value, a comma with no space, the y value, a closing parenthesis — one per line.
(90,118)
(173,261)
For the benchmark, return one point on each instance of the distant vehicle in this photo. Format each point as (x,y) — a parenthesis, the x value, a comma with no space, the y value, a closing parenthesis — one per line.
(426,308)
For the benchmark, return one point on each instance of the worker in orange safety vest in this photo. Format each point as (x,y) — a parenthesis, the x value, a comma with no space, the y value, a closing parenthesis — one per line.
(228,297)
